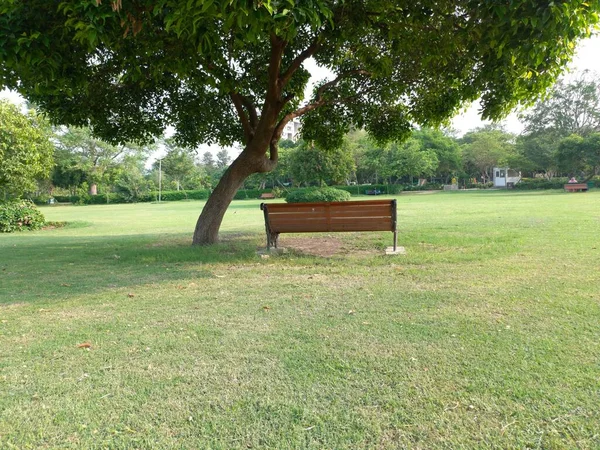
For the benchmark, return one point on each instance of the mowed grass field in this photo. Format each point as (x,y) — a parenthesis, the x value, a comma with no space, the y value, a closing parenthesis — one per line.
(485,334)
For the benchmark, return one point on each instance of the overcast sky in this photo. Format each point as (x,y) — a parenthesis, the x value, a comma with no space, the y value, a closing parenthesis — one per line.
(587,57)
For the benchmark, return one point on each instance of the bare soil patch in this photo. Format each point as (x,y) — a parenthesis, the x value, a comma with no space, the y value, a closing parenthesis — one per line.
(314,245)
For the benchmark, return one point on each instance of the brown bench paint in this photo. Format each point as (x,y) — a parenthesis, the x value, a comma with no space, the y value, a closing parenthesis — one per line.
(369,215)
(575,187)
(266,195)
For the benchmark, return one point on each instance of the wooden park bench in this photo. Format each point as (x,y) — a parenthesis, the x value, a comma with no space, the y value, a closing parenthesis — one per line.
(267,195)
(576,187)
(368,215)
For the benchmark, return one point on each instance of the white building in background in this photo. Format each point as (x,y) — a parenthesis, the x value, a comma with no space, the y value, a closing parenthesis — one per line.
(291,131)
(505,177)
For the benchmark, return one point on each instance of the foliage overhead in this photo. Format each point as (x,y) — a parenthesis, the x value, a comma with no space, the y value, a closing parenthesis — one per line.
(25,150)
(217,70)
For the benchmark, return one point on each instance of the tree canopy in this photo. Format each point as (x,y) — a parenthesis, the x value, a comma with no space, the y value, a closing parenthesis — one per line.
(231,71)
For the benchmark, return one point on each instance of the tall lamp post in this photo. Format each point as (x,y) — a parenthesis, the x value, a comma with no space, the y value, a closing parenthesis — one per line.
(159,179)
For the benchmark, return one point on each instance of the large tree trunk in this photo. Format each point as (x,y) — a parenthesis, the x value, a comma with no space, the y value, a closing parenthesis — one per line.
(207,228)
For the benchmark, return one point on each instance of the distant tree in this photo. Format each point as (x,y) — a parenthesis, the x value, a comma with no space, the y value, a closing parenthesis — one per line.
(130,181)
(223,159)
(309,164)
(95,157)
(579,155)
(67,172)
(208,161)
(25,150)
(178,163)
(410,159)
(486,148)
(538,150)
(571,107)
(447,151)
(550,141)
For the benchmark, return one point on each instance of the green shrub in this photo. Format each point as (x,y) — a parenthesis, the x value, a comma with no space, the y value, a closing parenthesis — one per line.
(19,215)
(277,192)
(327,194)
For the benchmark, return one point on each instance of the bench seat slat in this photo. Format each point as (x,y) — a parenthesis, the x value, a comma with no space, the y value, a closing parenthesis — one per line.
(324,228)
(381,224)
(340,215)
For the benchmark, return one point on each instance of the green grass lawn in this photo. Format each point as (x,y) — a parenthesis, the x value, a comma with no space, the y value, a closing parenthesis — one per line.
(486,334)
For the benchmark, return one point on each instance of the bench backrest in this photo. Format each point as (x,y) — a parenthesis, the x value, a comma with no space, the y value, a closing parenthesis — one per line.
(370,215)
(576,186)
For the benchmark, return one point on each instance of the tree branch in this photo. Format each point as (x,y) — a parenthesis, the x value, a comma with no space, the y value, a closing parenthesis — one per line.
(298,60)
(251,110)
(319,101)
(237,100)
(274,88)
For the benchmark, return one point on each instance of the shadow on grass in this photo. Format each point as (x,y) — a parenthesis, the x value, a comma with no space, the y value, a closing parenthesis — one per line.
(55,267)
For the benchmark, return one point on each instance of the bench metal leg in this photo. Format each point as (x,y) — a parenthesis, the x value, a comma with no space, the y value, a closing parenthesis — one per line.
(272,239)
(395,240)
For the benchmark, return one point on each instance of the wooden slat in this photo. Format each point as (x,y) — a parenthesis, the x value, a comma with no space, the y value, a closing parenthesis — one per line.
(297,210)
(277,222)
(339,212)
(384,224)
(368,224)
(299,218)
(311,217)
(301,227)
(361,208)
(373,226)
(355,213)
(292,206)
(317,228)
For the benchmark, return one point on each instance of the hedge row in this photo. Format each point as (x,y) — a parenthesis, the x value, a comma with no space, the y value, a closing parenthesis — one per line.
(242,194)
(167,196)
(555,183)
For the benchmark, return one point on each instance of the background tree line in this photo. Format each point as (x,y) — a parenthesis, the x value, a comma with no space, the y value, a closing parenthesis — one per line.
(561,138)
